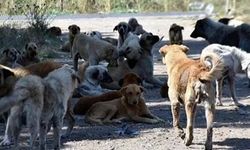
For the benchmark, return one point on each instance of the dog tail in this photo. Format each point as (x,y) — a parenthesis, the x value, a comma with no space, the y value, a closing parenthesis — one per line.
(215,65)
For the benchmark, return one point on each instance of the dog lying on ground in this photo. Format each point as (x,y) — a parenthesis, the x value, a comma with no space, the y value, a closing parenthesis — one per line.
(73,31)
(130,106)
(30,55)
(136,28)
(93,76)
(44,100)
(85,102)
(123,29)
(190,82)
(10,57)
(139,62)
(175,34)
(234,60)
(93,50)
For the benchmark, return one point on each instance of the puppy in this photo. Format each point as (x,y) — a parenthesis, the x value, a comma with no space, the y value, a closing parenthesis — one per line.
(73,31)
(234,60)
(136,60)
(93,50)
(30,55)
(93,76)
(130,106)
(10,57)
(190,82)
(43,100)
(136,28)
(175,34)
(56,31)
(123,29)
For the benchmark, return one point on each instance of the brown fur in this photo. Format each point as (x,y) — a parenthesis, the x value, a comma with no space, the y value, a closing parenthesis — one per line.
(73,31)
(9,57)
(190,82)
(130,106)
(30,55)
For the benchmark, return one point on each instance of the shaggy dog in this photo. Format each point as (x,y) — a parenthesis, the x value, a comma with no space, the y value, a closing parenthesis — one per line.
(85,102)
(10,57)
(139,62)
(136,28)
(190,82)
(130,106)
(123,29)
(44,100)
(175,34)
(216,32)
(30,55)
(93,50)
(93,76)
(234,60)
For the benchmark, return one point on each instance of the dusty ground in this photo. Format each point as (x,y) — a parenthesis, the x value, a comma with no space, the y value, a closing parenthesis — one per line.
(231,128)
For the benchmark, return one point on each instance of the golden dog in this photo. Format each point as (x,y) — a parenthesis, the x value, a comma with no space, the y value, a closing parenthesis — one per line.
(130,106)
(190,82)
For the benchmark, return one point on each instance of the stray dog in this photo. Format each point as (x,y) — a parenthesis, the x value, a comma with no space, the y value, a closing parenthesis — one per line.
(175,34)
(44,100)
(216,32)
(234,60)
(73,31)
(93,76)
(136,28)
(30,55)
(190,82)
(93,50)
(130,106)
(139,62)
(94,34)
(123,29)
(10,57)
(85,102)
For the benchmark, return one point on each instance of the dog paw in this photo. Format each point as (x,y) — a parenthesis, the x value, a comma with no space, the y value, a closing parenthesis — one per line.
(188,141)
(6,142)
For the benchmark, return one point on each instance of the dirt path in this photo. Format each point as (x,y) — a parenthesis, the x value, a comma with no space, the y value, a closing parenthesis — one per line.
(231,127)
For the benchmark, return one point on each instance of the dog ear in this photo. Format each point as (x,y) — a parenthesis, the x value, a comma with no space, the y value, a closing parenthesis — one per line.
(182,28)
(69,28)
(115,28)
(95,74)
(184,48)
(78,28)
(123,90)
(142,89)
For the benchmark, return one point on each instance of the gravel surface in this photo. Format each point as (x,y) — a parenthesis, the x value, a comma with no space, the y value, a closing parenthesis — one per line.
(231,127)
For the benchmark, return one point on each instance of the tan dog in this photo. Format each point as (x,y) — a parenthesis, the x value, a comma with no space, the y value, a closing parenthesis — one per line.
(10,57)
(73,31)
(44,100)
(130,106)
(92,50)
(190,82)
(30,55)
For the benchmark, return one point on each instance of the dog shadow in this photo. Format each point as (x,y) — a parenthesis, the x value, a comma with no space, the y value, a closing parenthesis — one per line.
(235,143)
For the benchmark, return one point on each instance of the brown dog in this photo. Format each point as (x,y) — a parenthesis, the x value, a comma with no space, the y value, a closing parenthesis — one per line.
(30,55)
(73,31)
(190,82)
(130,106)
(9,57)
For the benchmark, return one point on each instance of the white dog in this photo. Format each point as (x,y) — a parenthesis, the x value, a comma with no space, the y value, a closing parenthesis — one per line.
(234,60)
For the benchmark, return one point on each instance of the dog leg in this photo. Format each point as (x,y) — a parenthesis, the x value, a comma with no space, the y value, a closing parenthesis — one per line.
(143,120)
(16,123)
(190,109)
(232,89)
(219,91)
(111,112)
(75,61)
(57,126)
(210,111)
(43,134)
(71,122)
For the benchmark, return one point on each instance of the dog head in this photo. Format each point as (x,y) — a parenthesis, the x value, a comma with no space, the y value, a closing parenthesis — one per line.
(133,23)
(97,74)
(31,50)
(123,28)
(147,40)
(175,27)
(132,93)
(74,29)
(11,54)
(200,28)
(56,31)
(131,48)
(94,34)
(130,78)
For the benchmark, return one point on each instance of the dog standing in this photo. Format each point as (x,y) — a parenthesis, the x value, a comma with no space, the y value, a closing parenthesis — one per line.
(190,82)
(123,29)
(130,106)
(73,31)
(175,34)
(234,60)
